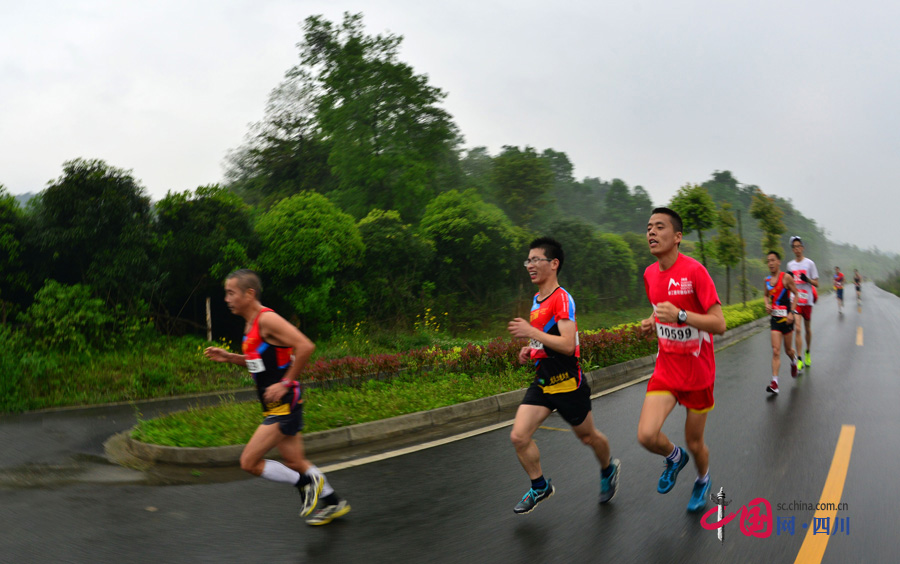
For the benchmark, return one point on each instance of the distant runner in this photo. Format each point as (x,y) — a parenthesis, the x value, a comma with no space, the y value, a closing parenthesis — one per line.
(806,278)
(857,280)
(781,294)
(839,288)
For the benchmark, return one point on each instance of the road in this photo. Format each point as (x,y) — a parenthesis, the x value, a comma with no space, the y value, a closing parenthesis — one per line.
(453,503)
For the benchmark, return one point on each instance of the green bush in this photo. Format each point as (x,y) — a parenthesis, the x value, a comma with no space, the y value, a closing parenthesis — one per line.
(68,318)
(738,314)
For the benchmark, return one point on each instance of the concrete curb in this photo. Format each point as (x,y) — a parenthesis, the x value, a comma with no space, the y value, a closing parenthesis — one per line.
(372,431)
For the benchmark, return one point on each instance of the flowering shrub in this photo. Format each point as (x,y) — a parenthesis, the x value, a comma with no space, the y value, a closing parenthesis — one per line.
(599,348)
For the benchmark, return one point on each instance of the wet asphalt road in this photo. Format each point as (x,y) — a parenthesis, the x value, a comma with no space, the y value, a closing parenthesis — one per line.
(454,503)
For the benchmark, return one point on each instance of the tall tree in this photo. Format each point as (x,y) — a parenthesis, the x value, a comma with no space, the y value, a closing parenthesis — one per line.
(307,246)
(94,226)
(768,215)
(284,153)
(523,180)
(390,141)
(476,248)
(697,211)
(641,205)
(727,244)
(618,206)
(394,267)
(194,230)
(13,278)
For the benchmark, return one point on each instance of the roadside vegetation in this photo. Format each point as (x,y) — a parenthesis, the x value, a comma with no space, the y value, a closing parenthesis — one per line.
(432,377)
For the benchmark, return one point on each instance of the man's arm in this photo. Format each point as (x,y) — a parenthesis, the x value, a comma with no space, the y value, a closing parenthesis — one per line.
(279,332)
(713,321)
(564,343)
(221,355)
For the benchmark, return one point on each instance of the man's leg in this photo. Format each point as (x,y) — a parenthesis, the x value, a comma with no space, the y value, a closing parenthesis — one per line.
(333,506)
(807,323)
(589,435)
(264,439)
(657,407)
(798,336)
(528,419)
(777,337)
(694,427)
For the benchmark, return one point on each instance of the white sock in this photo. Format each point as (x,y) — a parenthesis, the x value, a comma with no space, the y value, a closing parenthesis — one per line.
(775,379)
(675,456)
(278,472)
(703,479)
(327,490)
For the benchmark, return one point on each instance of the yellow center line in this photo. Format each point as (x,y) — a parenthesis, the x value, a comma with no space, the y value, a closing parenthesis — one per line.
(813,548)
(553,429)
(859,337)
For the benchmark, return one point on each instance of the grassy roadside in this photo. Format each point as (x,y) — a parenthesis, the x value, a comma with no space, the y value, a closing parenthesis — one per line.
(234,423)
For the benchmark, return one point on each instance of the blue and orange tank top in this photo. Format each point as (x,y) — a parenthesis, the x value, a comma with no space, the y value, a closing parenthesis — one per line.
(267,364)
(779,296)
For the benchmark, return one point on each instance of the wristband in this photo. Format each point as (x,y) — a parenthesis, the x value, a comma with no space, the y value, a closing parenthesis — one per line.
(290,383)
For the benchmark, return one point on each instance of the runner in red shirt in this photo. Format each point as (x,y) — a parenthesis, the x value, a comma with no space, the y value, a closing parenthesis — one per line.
(686,313)
(558,381)
(839,288)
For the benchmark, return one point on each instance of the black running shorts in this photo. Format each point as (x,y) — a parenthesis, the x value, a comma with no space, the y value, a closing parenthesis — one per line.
(573,407)
(290,424)
(779,324)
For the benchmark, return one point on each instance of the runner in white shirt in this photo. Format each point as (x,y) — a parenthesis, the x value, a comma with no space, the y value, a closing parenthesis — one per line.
(806,277)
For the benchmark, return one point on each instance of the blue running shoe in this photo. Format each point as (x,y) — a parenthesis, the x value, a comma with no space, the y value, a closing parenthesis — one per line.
(608,486)
(532,498)
(699,496)
(667,480)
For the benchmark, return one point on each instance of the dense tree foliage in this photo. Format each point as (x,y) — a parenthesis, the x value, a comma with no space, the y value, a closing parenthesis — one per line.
(13,278)
(768,214)
(698,212)
(93,227)
(307,245)
(354,201)
(194,232)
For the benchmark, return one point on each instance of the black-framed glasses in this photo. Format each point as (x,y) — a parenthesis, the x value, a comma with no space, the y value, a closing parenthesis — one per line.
(534,260)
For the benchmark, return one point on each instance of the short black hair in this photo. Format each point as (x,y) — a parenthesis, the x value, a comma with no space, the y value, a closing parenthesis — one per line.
(552,250)
(247,280)
(677,224)
(774,253)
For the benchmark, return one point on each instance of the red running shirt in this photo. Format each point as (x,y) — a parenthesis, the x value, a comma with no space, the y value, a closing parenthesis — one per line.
(686,360)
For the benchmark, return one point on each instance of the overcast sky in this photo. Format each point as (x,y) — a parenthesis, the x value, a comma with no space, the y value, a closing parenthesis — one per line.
(799,98)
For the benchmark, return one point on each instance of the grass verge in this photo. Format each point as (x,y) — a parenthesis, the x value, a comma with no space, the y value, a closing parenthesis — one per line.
(372,400)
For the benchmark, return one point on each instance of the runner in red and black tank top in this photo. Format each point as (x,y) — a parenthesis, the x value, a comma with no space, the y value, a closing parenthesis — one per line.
(267,364)
(778,300)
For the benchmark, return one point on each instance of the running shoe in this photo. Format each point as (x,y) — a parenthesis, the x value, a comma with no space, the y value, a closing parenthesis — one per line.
(699,495)
(799,364)
(309,494)
(329,513)
(608,486)
(808,361)
(532,498)
(772,388)
(794,369)
(667,480)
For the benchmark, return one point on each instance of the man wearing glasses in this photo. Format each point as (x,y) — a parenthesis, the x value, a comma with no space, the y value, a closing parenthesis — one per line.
(558,383)
(806,277)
